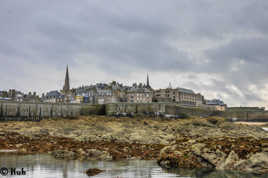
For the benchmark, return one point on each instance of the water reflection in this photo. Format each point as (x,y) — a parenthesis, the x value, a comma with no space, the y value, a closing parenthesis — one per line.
(45,166)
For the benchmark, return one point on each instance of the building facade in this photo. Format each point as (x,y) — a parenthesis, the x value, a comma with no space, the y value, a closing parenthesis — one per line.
(140,95)
(53,97)
(179,95)
(215,105)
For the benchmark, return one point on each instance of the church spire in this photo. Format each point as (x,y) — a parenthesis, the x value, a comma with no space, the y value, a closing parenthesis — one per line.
(170,86)
(66,87)
(148,82)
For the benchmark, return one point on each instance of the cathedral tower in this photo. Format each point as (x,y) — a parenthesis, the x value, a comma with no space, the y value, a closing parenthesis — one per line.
(148,82)
(66,87)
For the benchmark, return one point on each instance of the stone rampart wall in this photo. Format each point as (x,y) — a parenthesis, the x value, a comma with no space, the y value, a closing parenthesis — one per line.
(37,111)
(166,108)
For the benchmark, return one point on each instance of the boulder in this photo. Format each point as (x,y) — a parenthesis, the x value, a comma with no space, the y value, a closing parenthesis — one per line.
(229,162)
(257,163)
(94,154)
(171,157)
(167,150)
(93,172)
(216,157)
(63,154)
(44,132)
(166,164)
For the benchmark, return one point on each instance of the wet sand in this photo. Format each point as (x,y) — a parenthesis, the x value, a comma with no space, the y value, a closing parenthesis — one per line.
(252,123)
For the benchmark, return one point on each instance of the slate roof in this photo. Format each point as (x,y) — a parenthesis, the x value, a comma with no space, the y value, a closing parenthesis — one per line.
(184,90)
(215,102)
(54,93)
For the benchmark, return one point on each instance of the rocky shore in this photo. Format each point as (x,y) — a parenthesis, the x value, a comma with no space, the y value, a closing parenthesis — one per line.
(210,143)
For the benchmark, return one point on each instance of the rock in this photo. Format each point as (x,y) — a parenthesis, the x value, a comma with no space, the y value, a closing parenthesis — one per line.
(264,144)
(2,133)
(44,132)
(93,172)
(177,153)
(197,148)
(165,164)
(145,123)
(170,157)
(230,161)
(18,145)
(63,154)
(94,154)
(257,163)
(23,150)
(167,150)
(191,142)
(265,149)
(81,151)
(216,158)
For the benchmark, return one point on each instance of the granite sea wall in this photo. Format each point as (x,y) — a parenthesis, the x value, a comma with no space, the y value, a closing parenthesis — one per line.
(21,111)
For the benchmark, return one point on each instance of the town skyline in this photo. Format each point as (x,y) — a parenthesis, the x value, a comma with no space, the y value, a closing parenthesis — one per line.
(144,81)
(115,92)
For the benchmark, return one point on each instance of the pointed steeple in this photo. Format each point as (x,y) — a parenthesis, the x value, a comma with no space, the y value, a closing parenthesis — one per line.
(148,82)
(66,87)
(170,86)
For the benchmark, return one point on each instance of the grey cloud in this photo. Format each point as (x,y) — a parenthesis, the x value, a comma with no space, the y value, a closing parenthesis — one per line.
(132,36)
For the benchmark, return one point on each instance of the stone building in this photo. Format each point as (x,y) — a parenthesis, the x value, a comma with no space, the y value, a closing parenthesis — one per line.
(53,97)
(181,96)
(105,96)
(18,96)
(31,97)
(140,95)
(100,93)
(215,105)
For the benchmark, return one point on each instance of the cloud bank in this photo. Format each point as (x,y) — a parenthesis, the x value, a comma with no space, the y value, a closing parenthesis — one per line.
(216,48)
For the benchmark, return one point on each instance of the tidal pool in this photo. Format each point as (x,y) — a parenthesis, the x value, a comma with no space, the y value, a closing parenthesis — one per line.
(45,166)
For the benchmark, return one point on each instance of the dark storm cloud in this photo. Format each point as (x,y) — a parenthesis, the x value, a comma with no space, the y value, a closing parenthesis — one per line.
(227,38)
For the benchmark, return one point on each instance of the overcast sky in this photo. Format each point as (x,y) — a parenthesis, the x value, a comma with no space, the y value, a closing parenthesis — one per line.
(218,48)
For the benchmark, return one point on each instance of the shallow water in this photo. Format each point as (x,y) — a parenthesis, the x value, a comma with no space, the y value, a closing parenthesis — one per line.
(45,166)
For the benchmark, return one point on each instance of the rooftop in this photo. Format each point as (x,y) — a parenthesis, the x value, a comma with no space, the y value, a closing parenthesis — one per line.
(184,90)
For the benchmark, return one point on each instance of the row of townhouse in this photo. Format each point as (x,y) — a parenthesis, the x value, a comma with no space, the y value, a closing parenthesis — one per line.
(104,94)
(18,96)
